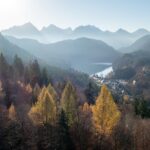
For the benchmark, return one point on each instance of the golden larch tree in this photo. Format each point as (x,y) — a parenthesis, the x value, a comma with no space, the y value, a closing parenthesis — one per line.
(12,113)
(36,90)
(41,94)
(105,112)
(29,88)
(52,91)
(69,103)
(44,111)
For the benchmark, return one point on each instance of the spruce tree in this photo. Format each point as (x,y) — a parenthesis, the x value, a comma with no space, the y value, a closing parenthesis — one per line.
(65,142)
(18,66)
(45,79)
(35,73)
(3,67)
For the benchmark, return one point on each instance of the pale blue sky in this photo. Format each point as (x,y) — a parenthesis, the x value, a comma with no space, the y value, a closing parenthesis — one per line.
(106,14)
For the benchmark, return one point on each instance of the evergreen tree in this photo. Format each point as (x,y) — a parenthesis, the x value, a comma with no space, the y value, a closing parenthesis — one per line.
(142,108)
(105,113)
(91,92)
(8,91)
(18,66)
(3,67)
(35,73)
(65,142)
(26,74)
(69,103)
(45,79)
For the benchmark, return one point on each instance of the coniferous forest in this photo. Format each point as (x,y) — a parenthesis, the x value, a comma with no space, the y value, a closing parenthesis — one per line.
(37,113)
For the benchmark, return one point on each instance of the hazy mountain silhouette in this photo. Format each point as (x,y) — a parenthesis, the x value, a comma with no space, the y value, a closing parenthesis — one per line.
(120,38)
(141,44)
(78,54)
(88,30)
(27,30)
(10,50)
(141,32)
(53,33)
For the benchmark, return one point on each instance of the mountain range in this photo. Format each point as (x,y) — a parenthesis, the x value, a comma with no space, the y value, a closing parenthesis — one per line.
(10,50)
(141,44)
(133,62)
(80,54)
(120,38)
(77,51)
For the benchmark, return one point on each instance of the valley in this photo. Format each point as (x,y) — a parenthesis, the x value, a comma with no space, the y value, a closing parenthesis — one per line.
(74,75)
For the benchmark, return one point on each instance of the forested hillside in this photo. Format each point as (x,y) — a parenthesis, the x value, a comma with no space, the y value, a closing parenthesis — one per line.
(37,113)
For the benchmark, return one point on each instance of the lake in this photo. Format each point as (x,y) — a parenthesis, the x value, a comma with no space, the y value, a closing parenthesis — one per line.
(100,68)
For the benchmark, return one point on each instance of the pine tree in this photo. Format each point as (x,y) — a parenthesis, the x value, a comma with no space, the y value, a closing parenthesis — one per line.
(3,67)
(35,73)
(26,74)
(18,66)
(65,141)
(44,111)
(69,103)
(105,112)
(91,92)
(45,79)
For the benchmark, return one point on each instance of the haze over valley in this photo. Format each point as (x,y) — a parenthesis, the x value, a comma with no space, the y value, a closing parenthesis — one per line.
(74,75)
(78,48)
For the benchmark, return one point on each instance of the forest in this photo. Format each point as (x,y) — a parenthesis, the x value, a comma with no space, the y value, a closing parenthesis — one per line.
(37,113)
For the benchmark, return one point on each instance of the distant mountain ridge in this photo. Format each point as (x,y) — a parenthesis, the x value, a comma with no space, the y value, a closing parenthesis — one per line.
(52,33)
(79,54)
(141,44)
(135,59)
(10,50)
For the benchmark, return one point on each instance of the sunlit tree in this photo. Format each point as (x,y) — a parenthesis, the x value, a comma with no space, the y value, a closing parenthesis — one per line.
(52,91)
(69,103)
(12,113)
(105,112)
(29,88)
(36,92)
(44,111)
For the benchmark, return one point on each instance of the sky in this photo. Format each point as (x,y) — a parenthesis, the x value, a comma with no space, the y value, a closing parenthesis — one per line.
(105,14)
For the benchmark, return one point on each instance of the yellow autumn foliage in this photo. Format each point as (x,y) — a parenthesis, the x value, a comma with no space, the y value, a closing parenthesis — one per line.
(105,112)
(52,91)
(28,88)
(69,103)
(44,111)
(12,113)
